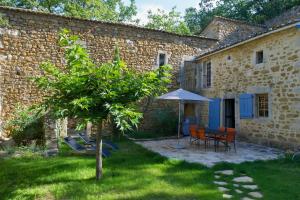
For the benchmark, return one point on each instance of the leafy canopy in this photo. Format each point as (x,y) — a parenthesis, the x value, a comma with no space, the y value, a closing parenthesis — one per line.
(255,11)
(91,92)
(170,22)
(108,10)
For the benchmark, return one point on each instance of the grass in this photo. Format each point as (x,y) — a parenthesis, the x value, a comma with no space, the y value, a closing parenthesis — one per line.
(135,173)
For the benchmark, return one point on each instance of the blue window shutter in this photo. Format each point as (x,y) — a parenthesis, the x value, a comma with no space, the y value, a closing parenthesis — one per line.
(214,113)
(246,106)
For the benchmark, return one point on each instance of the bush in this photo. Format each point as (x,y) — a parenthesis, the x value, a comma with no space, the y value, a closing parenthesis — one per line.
(164,123)
(27,126)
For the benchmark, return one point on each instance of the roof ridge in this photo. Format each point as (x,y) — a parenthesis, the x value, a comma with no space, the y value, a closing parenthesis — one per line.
(252,36)
(240,21)
(36,12)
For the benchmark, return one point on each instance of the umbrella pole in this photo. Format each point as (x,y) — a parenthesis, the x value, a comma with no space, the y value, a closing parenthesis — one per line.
(178,132)
(178,146)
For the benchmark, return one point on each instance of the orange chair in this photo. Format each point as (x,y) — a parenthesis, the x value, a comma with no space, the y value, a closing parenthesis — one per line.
(228,139)
(202,136)
(193,133)
(222,129)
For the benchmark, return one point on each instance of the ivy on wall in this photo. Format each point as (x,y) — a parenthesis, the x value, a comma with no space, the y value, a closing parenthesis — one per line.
(3,21)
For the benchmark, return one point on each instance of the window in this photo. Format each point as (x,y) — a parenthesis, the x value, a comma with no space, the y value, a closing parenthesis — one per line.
(190,72)
(262,105)
(162,59)
(206,75)
(259,57)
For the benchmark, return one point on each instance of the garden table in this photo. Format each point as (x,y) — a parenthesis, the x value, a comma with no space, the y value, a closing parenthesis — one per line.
(214,133)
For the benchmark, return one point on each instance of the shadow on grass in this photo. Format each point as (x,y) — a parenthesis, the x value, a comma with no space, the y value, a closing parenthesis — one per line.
(130,173)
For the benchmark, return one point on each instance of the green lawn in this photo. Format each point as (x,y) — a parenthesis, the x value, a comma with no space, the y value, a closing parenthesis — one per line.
(135,173)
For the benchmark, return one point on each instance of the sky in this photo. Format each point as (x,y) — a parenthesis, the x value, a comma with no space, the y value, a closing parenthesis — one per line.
(145,5)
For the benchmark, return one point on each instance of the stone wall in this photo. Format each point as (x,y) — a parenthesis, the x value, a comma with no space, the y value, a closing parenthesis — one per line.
(278,75)
(228,31)
(32,38)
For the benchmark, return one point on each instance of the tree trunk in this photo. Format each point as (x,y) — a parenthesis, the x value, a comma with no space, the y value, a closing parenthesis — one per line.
(99,153)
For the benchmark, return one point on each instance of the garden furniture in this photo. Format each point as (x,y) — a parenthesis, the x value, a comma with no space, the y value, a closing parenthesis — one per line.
(202,136)
(72,143)
(92,142)
(213,134)
(227,139)
(193,133)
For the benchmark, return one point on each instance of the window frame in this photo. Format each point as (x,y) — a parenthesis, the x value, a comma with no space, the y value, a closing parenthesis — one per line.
(206,75)
(266,107)
(259,57)
(158,59)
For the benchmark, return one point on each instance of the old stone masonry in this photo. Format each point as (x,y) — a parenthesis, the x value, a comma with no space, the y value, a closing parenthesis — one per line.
(236,185)
(250,71)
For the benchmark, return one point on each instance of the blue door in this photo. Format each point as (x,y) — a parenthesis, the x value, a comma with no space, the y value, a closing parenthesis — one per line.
(214,113)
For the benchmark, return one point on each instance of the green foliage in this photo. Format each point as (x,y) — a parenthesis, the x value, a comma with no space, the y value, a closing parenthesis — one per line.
(163,124)
(108,10)
(26,126)
(170,22)
(255,11)
(92,92)
(165,121)
(3,21)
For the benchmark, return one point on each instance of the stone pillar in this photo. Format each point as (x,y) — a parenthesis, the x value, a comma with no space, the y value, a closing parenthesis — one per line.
(50,136)
(53,130)
(89,129)
(61,127)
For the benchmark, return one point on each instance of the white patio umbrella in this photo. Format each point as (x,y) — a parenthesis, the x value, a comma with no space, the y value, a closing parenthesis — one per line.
(181,95)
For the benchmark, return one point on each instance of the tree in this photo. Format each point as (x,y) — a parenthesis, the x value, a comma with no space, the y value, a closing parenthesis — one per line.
(94,93)
(255,11)
(170,22)
(108,10)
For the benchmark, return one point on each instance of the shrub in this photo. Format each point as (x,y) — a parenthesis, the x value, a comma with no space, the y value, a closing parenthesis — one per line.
(164,121)
(27,126)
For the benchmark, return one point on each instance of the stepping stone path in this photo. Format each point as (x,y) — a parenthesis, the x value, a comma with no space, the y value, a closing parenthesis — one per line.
(251,187)
(227,196)
(246,198)
(236,185)
(220,183)
(256,194)
(223,189)
(225,172)
(238,191)
(243,179)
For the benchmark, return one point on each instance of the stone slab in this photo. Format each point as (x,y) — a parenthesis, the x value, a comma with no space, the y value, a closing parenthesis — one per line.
(223,189)
(243,179)
(220,183)
(238,191)
(250,187)
(256,194)
(225,172)
(227,196)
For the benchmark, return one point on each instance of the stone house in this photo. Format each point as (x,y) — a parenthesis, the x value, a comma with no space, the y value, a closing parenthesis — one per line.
(253,76)
(251,71)
(31,38)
